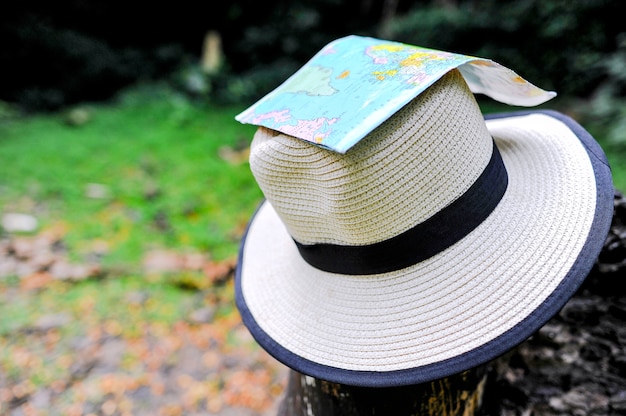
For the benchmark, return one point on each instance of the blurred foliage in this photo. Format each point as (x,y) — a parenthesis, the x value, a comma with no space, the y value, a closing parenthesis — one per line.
(153,169)
(573,47)
(55,54)
(608,103)
(576,48)
(557,44)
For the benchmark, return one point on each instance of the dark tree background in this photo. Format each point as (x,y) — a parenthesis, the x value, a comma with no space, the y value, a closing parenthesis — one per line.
(55,54)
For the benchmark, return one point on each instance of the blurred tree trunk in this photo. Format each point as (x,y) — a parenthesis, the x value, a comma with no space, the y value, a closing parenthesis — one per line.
(387,15)
(460,394)
(447,4)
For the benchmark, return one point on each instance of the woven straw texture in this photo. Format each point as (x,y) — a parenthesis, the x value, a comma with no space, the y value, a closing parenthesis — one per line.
(428,154)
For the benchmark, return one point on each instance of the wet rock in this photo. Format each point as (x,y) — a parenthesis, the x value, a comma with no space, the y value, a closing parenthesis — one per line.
(19,223)
(617,402)
(52,321)
(203,315)
(137,297)
(97,191)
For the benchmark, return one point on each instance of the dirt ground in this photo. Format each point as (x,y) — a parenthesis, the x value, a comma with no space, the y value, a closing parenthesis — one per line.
(575,365)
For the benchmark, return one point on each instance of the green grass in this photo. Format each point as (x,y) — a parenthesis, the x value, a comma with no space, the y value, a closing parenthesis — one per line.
(156,156)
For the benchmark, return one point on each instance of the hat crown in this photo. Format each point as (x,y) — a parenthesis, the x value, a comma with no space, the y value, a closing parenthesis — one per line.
(409,168)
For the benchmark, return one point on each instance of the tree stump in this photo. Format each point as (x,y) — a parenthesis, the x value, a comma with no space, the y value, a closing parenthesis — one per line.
(460,394)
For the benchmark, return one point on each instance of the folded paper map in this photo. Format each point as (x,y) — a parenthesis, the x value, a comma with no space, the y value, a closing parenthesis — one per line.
(356,83)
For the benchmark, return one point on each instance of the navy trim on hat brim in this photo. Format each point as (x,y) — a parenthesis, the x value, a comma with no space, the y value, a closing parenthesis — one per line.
(492,349)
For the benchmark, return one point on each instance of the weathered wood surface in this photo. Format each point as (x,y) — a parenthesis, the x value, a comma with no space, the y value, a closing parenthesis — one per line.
(459,395)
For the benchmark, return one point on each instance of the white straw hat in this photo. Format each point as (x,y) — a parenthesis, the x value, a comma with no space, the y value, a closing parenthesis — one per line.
(437,243)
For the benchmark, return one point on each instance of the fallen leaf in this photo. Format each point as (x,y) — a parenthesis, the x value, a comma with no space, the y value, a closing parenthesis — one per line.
(64,270)
(52,321)
(234,156)
(162,261)
(35,281)
(203,315)
(219,272)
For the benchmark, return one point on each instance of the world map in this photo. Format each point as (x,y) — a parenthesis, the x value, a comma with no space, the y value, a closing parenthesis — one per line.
(356,83)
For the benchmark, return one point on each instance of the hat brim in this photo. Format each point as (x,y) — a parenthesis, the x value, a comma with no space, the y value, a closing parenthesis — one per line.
(458,309)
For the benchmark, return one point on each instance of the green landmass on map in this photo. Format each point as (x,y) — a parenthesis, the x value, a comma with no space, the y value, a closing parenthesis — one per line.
(310,80)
